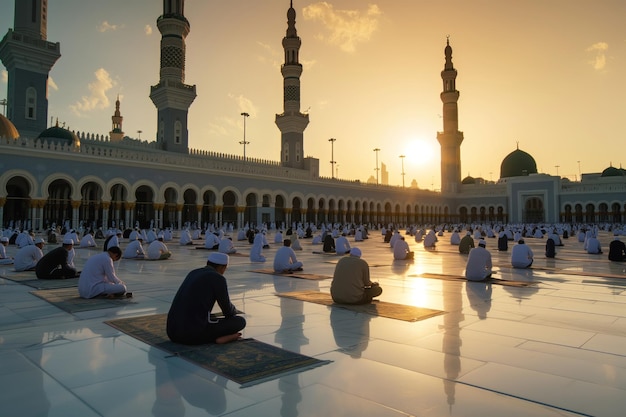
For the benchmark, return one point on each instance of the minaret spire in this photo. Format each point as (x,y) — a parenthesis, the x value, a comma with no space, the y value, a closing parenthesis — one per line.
(292,122)
(450,139)
(28,58)
(171,96)
(116,134)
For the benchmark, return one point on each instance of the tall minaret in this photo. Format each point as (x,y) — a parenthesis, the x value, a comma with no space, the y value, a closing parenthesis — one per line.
(450,139)
(291,122)
(116,133)
(171,96)
(28,58)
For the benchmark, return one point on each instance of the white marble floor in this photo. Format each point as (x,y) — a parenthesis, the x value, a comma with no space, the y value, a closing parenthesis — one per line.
(554,349)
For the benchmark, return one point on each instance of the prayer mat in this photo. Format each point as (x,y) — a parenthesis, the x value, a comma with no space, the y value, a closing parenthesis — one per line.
(19,276)
(329,253)
(48,284)
(376,308)
(67,299)
(491,280)
(370,265)
(295,274)
(246,361)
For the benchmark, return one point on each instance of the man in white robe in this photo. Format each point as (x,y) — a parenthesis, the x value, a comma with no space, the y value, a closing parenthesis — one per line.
(401,250)
(226,246)
(342,246)
(521,255)
(4,259)
(211,241)
(98,275)
(157,250)
(479,264)
(134,250)
(27,257)
(285,260)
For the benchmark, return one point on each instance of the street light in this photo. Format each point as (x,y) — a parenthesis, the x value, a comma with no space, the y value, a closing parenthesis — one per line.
(139,132)
(243,142)
(402,159)
(332,157)
(376,169)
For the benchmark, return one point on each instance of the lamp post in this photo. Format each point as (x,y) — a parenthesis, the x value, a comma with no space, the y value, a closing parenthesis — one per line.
(402,159)
(243,142)
(557,169)
(139,132)
(376,169)
(332,157)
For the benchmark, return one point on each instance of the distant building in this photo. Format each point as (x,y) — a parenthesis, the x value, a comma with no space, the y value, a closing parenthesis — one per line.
(49,175)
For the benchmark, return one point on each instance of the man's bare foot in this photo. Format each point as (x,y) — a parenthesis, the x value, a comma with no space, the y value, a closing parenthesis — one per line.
(228,338)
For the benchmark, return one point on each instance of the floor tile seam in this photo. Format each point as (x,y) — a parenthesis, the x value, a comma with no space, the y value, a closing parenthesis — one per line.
(519,397)
(526,338)
(581,349)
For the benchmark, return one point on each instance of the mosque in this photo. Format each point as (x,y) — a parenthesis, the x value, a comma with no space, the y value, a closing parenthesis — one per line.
(52,175)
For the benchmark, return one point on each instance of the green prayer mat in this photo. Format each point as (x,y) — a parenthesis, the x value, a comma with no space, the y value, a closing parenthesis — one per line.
(295,274)
(67,299)
(376,308)
(492,280)
(19,276)
(245,361)
(49,284)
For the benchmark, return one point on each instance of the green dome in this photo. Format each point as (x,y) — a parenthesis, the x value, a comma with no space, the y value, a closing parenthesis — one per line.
(468,180)
(60,136)
(614,172)
(7,129)
(517,164)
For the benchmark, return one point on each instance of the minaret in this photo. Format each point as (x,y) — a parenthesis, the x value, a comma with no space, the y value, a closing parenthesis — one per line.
(116,134)
(450,139)
(28,58)
(171,96)
(291,122)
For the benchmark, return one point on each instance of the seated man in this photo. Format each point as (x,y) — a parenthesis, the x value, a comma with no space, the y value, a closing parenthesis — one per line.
(98,277)
(401,250)
(521,255)
(134,250)
(27,257)
(550,248)
(189,321)
(430,240)
(285,259)
(329,244)
(592,245)
(478,265)
(342,245)
(466,243)
(55,264)
(157,250)
(226,246)
(351,281)
(211,241)
(87,241)
(185,238)
(617,250)
(4,259)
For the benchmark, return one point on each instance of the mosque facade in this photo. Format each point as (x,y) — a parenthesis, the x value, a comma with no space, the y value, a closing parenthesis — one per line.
(49,175)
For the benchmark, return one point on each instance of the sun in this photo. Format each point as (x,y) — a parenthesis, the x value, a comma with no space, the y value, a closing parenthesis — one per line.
(419,151)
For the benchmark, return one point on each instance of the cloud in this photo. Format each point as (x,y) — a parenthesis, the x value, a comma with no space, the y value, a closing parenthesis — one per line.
(346,28)
(106,26)
(53,85)
(599,60)
(97,98)
(148,30)
(244,105)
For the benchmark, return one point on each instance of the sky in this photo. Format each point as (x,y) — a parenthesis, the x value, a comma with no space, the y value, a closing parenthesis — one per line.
(542,75)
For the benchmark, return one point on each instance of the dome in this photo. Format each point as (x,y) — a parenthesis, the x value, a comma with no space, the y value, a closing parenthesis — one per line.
(7,129)
(613,172)
(517,164)
(60,136)
(468,180)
